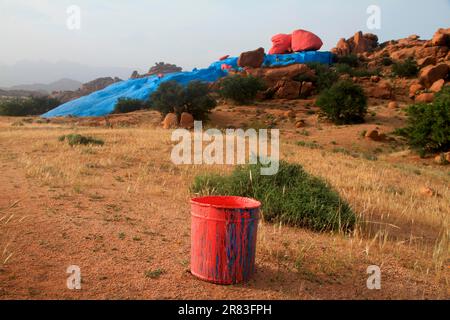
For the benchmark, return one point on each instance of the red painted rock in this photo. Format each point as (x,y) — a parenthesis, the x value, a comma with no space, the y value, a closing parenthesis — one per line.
(281,43)
(303,40)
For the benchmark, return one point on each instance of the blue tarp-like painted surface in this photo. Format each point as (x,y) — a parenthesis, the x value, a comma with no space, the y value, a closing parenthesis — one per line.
(102,102)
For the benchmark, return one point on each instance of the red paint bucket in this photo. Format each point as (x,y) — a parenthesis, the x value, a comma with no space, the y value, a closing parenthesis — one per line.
(223,238)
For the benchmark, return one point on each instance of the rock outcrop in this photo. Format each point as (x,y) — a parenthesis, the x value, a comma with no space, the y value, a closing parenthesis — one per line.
(441,38)
(282,82)
(358,44)
(430,74)
(252,59)
(160,68)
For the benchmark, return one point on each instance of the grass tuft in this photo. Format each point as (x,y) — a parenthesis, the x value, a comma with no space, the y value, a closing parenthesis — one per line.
(78,139)
(292,196)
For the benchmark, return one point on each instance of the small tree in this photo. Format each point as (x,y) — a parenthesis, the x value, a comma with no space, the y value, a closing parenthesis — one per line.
(167,98)
(125,105)
(195,99)
(198,101)
(428,129)
(240,89)
(344,103)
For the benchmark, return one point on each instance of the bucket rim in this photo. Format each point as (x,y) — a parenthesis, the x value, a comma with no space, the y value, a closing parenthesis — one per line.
(249,203)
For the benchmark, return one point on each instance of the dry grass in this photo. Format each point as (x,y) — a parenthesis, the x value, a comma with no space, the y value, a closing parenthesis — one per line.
(404,232)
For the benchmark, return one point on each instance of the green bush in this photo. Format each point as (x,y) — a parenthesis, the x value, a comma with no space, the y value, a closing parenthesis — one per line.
(360,72)
(167,98)
(195,98)
(198,101)
(291,196)
(407,69)
(344,103)
(428,129)
(20,107)
(126,105)
(386,61)
(240,89)
(350,60)
(78,139)
(325,76)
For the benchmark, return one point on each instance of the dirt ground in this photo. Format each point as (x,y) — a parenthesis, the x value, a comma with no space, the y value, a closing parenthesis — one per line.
(121,212)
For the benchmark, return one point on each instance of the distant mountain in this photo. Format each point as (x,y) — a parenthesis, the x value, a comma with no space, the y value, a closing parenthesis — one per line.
(60,85)
(29,72)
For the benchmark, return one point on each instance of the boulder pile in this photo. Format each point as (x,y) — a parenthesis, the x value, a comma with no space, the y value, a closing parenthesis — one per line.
(284,82)
(431,56)
(171,121)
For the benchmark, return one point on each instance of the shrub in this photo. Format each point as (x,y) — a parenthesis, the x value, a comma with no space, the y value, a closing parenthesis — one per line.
(344,103)
(195,98)
(350,60)
(347,69)
(365,73)
(167,98)
(428,128)
(126,105)
(291,196)
(343,69)
(406,69)
(386,61)
(78,139)
(20,107)
(325,77)
(240,89)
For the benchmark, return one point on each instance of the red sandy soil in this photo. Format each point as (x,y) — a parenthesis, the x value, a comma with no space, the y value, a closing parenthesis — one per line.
(117,227)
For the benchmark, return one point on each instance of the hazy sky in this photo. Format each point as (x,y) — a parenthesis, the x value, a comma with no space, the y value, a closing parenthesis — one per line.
(137,33)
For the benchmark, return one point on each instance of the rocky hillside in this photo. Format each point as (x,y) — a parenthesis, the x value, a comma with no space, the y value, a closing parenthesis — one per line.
(431,56)
(87,88)
(365,61)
